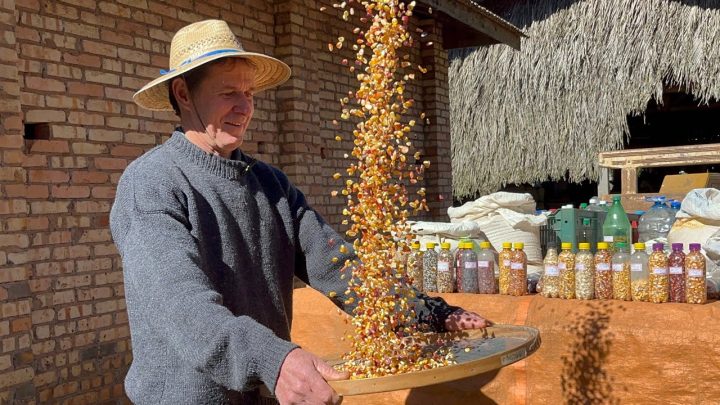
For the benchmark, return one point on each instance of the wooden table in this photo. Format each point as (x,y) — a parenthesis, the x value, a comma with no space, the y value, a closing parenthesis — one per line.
(609,351)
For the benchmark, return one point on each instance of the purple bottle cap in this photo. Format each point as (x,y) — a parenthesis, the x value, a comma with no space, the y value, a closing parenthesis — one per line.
(677,246)
(694,246)
(658,246)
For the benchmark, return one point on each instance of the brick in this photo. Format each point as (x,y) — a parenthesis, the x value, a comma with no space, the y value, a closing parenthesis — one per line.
(13,207)
(11,141)
(105,135)
(44,84)
(104,106)
(50,207)
(49,176)
(24,224)
(85,89)
(62,283)
(103,192)
(95,265)
(47,146)
(122,122)
(138,138)
(16,377)
(43,316)
(69,162)
(68,132)
(21,190)
(126,151)
(106,306)
(95,235)
(39,52)
(71,252)
(70,191)
(65,102)
(84,118)
(110,163)
(54,268)
(89,148)
(20,324)
(116,37)
(12,174)
(119,94)
(29,255)
(102,77)
(81,30)
(105,250)
(83,177)
(13,274)
(14,240)
(82,59)
(99,48)
(66,389)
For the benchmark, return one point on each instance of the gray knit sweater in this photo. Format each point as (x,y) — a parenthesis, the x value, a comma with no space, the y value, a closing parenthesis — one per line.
(209,249)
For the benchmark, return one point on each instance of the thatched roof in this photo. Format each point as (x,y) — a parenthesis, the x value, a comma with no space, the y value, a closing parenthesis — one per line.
(548,110)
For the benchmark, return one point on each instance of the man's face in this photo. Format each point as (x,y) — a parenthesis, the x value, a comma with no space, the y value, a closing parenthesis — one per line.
(224,102)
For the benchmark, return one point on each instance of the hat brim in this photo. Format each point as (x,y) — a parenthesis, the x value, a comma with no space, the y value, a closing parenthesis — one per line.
(270,72)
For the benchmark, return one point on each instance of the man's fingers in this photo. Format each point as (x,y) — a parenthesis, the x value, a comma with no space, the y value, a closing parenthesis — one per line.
(329,373)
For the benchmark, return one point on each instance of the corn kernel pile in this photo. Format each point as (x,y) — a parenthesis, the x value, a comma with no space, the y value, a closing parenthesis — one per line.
(385,340)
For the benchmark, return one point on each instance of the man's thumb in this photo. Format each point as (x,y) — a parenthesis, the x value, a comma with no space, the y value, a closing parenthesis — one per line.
(329,373)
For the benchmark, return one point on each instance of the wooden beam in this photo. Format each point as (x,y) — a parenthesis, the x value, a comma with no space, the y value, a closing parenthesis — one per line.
(474,17)
(629,180)
(661,157)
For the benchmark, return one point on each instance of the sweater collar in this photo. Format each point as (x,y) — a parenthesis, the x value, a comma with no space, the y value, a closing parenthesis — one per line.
(234,168)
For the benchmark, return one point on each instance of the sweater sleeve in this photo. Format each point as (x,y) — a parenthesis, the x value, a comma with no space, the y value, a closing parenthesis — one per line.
(319,244)
(169,293)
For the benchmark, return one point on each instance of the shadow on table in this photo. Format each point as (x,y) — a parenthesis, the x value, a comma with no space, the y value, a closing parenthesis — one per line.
(584,379)
(459,392)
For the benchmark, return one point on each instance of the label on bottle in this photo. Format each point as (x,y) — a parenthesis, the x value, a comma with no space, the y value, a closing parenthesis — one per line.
(443,267)
(516,266)
(506,263)
(636,267)
(618,267)
(603,267)
(660,271)
(608,239)
(483,264)
(562,266)
(676,270)
(579,266)
(470,265)
(695,273)
(552,270)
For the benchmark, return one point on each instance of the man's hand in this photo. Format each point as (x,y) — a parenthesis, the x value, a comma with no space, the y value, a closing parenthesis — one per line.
(303,379)
(462,319)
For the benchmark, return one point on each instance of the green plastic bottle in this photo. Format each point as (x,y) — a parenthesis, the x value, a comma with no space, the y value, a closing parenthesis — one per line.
(616,227)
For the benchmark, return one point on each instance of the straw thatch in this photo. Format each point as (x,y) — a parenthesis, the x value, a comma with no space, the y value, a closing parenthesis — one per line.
(545,112)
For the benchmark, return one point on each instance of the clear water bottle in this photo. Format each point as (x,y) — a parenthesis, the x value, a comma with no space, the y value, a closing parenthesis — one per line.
(657,221)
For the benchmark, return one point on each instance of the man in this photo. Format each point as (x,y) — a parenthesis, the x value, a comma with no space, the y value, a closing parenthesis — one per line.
(211,238)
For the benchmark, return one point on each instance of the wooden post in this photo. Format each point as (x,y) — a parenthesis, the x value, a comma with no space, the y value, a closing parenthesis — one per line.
(604,182)
(629,180)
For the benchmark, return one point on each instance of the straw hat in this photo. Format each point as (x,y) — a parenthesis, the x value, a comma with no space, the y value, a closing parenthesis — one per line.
(198,44)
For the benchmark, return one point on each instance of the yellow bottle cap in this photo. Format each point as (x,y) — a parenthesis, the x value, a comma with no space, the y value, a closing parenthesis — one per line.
(415,245)
(485,245)
(584,246)
(603,245)
(430,245)
(518,245)
(445,246)
(566,246)
(639,246)
(507,245)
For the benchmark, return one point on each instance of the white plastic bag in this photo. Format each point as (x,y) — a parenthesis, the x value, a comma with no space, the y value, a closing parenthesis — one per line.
(698,221)
(439,232)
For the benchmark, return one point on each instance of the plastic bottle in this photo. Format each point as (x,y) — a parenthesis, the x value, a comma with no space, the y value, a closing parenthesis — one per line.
(657,221)
(430,258)
(551,274)
(603,272)
(584,273)
(468,278)
(616,227)
(445,269)
(621,272)
(504,261)
(566,267)
(639,273)
(695,284)
(486,269)
(658,280)
(676,267)
(518,271)
(415,266)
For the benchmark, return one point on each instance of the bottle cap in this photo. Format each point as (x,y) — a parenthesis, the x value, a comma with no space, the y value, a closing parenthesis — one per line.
(677,246)
(639,246)
(695,246)
(485,245)
(658,246)
(603,245)
(566,246)
(430,245)
(583,206)
(445,246)
(415,245)
(507,245)
(584,246)
(519,245)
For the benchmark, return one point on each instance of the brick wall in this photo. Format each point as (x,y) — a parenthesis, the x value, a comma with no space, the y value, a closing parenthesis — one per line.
(70,68)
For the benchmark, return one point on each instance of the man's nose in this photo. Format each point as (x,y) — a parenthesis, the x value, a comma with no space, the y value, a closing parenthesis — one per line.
(243,104)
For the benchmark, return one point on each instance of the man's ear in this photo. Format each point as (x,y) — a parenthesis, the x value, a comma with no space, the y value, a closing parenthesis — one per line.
(181,93)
